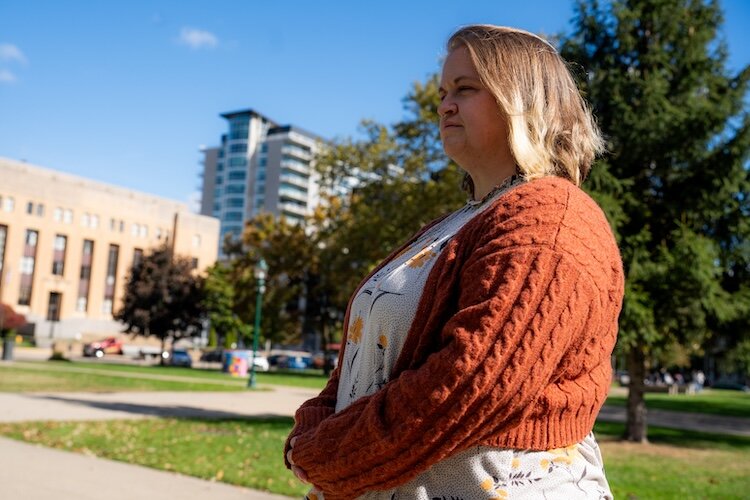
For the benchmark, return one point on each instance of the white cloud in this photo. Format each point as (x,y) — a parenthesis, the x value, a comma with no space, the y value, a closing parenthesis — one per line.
(198,39)
(6,76)
(9,52)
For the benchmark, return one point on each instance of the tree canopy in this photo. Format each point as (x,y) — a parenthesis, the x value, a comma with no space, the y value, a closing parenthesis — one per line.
(675,181)
(163,297)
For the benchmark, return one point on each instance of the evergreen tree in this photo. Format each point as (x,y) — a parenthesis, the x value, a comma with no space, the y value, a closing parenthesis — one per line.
(675,183)
(163,297)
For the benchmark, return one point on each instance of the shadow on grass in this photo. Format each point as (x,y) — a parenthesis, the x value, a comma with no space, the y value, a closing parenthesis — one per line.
(678,437)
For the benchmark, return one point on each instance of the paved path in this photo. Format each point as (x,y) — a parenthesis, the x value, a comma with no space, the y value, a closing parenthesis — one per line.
(33,472)
(718,424)
(72,476)
(279,401)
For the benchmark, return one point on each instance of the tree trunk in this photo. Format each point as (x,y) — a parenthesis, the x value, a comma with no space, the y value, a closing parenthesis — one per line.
(163,361)
(636,427)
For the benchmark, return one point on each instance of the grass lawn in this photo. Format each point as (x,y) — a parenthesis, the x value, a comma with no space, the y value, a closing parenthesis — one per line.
(52,378)
(59,376)
(712,401)
(676,465)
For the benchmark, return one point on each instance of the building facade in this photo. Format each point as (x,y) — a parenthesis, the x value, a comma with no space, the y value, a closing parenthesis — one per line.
(260,166)
(67,244)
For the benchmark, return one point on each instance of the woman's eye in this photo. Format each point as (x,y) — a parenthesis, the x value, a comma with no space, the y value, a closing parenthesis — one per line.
(464,89)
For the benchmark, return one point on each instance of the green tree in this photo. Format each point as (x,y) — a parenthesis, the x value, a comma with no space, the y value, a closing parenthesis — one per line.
(163,297)
(219,302)
(9,320)
(675,183)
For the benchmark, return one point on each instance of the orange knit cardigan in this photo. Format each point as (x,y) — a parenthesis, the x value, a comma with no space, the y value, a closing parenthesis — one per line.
(510,347)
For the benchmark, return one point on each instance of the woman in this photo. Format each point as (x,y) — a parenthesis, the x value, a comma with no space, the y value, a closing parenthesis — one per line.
(477,356)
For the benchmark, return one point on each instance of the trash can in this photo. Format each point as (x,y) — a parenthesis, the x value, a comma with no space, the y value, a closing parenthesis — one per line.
(8,343)
(235,363)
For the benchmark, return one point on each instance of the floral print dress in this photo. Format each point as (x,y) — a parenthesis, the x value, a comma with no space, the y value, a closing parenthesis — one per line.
(380,317)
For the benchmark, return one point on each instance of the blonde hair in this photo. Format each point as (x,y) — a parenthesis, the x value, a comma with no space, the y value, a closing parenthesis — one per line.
(551,130)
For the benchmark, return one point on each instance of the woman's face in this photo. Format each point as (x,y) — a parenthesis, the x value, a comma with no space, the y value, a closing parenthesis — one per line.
(472,129)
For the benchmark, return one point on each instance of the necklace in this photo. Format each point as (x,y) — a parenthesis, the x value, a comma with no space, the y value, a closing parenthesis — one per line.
(508,182)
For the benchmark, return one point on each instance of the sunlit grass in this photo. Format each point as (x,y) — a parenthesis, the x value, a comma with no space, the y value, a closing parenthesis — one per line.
(676,465)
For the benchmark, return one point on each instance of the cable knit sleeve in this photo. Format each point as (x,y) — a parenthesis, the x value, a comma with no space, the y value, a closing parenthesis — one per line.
(313,411)
(519,310)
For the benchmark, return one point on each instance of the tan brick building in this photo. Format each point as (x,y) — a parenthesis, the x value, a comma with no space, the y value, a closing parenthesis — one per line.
(67,244)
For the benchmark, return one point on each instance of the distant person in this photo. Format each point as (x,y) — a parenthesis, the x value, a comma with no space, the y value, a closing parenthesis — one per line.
(699,379)
(477,355)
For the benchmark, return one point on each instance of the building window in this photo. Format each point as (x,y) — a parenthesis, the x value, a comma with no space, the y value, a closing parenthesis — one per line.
(84,284)
(233,216)
(94,221)
(134,230)
(262,162)
(30,208)
(40,209)
(110,282)
(85,220)
(67,216)
(122,226)
(238,161)
(137,257)
(158,233)
(220,166)
(58,255)
(194,263)
(264,148)
(240,147)
(196,240)
(235,189)
(27,268)
(143,231)
(235,203)
(53,306)
(219,180)
(237,176)
(57,214)
(3,239)
(8,204)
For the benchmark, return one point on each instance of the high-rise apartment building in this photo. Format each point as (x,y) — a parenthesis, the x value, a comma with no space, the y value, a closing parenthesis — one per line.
(67,245)
(260,166)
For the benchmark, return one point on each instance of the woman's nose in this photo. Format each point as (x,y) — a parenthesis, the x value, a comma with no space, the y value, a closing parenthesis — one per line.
(447,107)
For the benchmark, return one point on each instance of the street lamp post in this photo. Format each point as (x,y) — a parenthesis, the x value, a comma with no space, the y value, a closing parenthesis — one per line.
(260,276)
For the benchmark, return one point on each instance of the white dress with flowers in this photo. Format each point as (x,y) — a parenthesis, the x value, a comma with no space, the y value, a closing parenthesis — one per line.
(380,317)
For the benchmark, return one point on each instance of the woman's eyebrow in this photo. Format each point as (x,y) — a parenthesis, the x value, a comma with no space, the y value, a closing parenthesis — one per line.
(456,80)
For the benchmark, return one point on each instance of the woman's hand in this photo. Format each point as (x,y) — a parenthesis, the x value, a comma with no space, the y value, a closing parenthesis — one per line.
(296,470)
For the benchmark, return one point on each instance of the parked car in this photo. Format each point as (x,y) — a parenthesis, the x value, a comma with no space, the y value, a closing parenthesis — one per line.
(261,364)
(215,356)
(109,345)
(179,357)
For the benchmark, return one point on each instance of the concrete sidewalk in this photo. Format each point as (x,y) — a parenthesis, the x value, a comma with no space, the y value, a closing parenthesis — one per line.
(32,472)
(277,401)
(71,476)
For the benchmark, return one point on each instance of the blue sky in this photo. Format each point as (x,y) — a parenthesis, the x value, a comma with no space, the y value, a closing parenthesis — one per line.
(126,92)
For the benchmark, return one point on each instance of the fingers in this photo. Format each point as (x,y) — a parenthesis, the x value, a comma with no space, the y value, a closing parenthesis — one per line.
(296,470)
(300,474)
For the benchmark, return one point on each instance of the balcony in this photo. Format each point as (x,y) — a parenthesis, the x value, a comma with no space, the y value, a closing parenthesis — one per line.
(292,194)
(293,209)
(297,152)
(295,167)
(294,180)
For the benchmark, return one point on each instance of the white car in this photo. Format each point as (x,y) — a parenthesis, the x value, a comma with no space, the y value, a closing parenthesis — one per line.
(261,364)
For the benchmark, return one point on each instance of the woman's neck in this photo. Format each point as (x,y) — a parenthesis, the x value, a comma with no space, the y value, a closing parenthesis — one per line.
(485,180)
